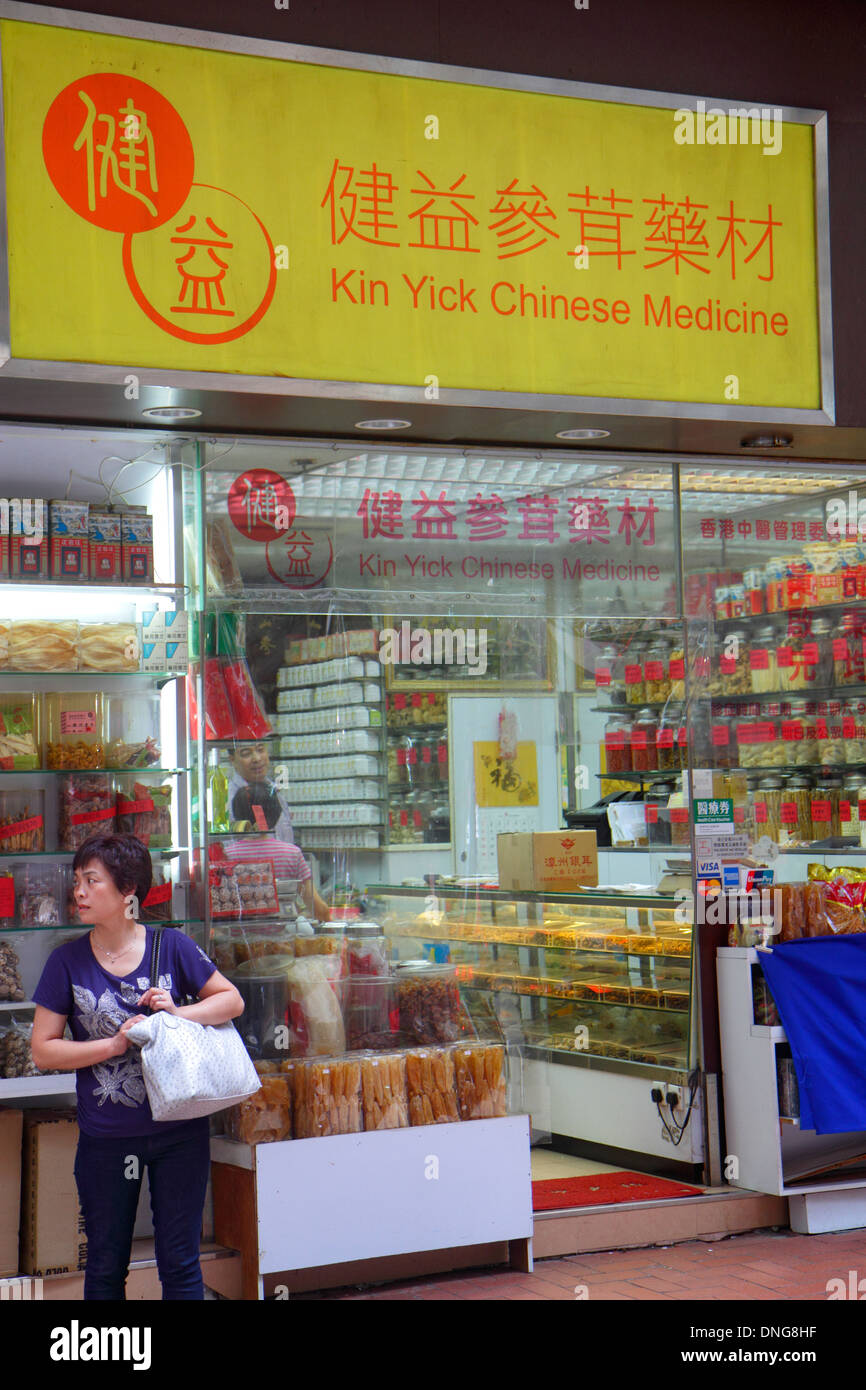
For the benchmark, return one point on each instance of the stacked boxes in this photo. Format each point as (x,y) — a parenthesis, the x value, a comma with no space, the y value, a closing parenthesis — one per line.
(104,536)
(70,540)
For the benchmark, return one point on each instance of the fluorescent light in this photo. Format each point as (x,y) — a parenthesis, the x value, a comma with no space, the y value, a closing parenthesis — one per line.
(383,424)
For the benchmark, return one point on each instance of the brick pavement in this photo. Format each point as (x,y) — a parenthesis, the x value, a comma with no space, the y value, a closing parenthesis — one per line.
(760,1265)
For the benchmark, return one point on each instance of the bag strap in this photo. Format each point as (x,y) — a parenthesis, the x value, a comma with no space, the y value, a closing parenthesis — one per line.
(154,956)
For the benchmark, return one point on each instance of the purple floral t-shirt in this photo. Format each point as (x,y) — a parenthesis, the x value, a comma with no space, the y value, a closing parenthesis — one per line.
(112,1102)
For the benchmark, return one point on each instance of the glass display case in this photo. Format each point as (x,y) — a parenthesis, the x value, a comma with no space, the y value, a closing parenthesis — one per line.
(576,976)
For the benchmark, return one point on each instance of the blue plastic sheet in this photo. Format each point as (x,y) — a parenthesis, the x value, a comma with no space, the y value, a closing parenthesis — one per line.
(819,985)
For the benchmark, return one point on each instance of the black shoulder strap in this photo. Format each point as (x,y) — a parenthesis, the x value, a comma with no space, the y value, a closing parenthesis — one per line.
(154,956)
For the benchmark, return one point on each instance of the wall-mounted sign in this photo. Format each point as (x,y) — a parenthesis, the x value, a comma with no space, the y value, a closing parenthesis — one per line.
(209,210)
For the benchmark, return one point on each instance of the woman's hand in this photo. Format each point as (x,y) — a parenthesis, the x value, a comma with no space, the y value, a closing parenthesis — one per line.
(159,1000)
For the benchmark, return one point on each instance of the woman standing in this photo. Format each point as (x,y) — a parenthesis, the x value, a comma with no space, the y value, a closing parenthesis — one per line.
(98,984)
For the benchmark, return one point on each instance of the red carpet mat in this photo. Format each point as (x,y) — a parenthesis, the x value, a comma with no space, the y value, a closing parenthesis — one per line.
(606,1189)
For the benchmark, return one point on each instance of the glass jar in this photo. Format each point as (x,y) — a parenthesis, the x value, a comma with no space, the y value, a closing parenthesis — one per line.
(133,722)
(798,749)
(850,797)
(848,664)
(644,752)
(426,764)
(439,829)
(795,811)
(442,758)
(677,669)
(854,730)
(633,674)
(617,744)
(768,801)
(657,681)
(818,654)
(758,741)
(722,740)
(666,739)
(763,671)
(609,672)
(75,729)
(396,771)
(22,821)
(86,806)
(831,745)
(678,814)
(825,808)
(397,711)
(144,809)
(657,817)
(734,667)
(413,808)
(20,732)
(409,746)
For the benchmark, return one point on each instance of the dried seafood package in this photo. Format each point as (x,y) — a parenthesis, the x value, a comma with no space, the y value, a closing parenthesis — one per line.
(430,1086)
(383,1087)
(480,1074)
(327,1097)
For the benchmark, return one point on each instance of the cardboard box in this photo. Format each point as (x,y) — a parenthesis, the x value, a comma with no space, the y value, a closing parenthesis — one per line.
(556,860)
(136,535)
(52,1228)
(11,1126)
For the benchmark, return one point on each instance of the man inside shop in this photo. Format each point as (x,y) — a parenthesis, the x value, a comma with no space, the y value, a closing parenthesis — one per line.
(254,798)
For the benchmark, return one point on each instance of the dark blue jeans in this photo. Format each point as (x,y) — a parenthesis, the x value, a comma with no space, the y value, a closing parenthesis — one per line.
(109,1172)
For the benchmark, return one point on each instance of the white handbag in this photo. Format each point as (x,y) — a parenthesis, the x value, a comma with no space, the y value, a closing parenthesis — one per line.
(191,1069)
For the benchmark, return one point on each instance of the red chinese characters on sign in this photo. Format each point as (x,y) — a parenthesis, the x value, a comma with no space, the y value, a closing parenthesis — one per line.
(524,220)
(677,231)
(443,221)
(600,232)
(261,504)
(487,518)
(361,204)
(197,269)
(764,529)
(588,520)
(381,515)
(117,152)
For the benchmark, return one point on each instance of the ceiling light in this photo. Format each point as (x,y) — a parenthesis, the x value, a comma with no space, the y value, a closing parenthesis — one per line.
(583,434)
(171,413)
(383,424)
(767,441)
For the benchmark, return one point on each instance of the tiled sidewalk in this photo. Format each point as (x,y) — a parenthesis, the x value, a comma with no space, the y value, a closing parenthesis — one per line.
(756,1266)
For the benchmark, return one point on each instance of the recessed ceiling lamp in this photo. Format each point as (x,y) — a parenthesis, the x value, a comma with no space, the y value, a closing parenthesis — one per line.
(767,441)
(383,424)
(171,413)
(583,434)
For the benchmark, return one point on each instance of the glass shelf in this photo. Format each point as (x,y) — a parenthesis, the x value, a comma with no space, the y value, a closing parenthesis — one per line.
(89,675)
(77,771)
(592,896)
(79,587)
(88,926)
(601,951)
(504,985)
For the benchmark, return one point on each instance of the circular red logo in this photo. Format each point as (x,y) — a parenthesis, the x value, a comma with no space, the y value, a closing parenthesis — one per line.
(261,504)
(117,152)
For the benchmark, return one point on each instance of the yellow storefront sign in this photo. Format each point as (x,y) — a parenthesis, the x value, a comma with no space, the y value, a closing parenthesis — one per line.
(213,211)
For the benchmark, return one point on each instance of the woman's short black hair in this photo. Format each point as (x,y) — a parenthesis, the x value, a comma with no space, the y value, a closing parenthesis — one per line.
(256,794)
(123,857)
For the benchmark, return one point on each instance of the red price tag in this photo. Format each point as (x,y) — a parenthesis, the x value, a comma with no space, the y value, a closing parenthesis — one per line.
(761,812)
(727,665)
(655,670)
(822,810)
(677,669)
(602,676)
(845,810)
(784,656)
(840,649)
(679,815)
(638,739)
(416,700)
(759,659)
(665,738)
(399,701)
(788,813)
(652,813)
(633,675)
(721,736)
(810,654)
(849,726)
(615,739)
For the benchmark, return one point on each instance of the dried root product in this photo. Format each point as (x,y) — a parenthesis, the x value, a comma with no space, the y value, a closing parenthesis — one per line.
(10,977)
(430,1086)
(480,1075)
(266,1117)
(383,1086)
(327,1098)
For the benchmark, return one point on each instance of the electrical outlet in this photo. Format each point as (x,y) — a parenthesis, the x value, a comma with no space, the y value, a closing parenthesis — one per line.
(658,1086)
(674,1091)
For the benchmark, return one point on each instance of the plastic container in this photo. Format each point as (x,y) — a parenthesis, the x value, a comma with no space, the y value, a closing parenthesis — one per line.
(22,821)
(633,674)
(370,1012)
(795,811)
(74,729)
(367,949)
(768,801)
(656,810)
(86,806)
(144,809)
(734,668)
(763,671)
(723,741)
(851,796)
(40,894)
(20,732)
(428,1001)
(644,753)
(657,681)
(797,729)
(133,729)
(609,671)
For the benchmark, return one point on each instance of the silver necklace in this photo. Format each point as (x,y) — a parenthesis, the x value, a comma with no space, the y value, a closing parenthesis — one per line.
(112,955)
